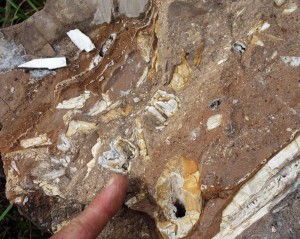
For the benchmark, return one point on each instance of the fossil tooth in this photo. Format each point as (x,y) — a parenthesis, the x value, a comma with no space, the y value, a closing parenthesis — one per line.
(118,158)
(163,105)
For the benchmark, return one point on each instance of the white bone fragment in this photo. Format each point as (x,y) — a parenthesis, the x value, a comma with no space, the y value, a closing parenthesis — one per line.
(291,60)
(76,126)
(214,121)
(82,41)
(45,63)
(100,106)
(41,140)
(76,102)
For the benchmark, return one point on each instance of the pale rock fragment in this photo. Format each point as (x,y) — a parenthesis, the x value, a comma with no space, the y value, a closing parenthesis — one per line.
(77,126)
(132,8)
(195,134)
(64,144)
(143,78)
(256,41)
(214,121)
(41,140)
(49,189)
(259,27)
(69,116)
(65,161)
(178,195)
(263,191)
(163,105)
(104,11)
(292,7)
(182,74)
(100,106)
(144,43)
(291,60)
(11,55)
(279,3)
(76,102)
(141,140)
(82,41)
(96,153)
(134,200)
(51,175)
(14,166)
(118,158)
(45,63)
(56,228)
(18,200)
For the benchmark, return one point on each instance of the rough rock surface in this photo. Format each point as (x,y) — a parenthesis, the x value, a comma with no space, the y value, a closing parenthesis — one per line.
(213,82)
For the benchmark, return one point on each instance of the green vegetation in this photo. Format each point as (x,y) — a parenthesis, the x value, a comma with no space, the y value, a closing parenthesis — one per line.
(15,11)
(12,224)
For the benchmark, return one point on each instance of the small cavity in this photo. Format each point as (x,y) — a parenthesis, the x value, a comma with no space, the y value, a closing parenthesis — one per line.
(215,104)
(107,45)
(180,209)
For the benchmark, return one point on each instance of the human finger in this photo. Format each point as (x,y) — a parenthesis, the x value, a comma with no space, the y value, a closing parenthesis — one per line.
(89,223)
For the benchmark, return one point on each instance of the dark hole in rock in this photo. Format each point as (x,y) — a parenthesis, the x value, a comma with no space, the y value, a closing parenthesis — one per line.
(1,126)
(180,209)
(125,166)
(215,104)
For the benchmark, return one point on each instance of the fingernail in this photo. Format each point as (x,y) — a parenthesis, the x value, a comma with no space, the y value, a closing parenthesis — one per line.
(110,182)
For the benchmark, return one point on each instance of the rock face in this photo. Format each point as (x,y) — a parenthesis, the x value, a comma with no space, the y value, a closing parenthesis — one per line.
(196,101)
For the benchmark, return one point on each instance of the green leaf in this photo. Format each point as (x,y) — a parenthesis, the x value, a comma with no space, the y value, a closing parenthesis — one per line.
(5,212)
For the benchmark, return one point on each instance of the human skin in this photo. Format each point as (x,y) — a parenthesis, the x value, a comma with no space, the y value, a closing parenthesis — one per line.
(89,223)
